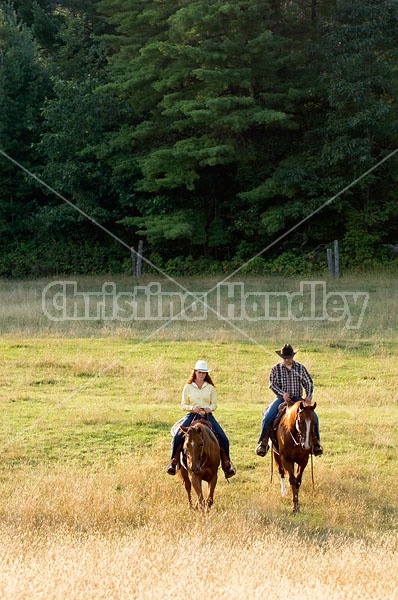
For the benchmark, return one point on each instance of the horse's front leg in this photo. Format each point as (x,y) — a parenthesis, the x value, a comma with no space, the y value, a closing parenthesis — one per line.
(300,471)
(295,492)
(281,473)
(183,473)
(283,486)
(188,488)
(212,487)
(197,486)
(289,466)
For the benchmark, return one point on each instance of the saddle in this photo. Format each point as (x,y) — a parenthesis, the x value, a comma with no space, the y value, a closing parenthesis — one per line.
(175,428)
(274,427)
(204,421)
(281,411)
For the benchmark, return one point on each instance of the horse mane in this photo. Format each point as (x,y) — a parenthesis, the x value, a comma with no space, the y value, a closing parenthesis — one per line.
(291,415)
(208,438)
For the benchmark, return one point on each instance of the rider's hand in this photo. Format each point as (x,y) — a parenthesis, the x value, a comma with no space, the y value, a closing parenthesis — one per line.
(207,410)
(286,397)
(307,400)
(197,409)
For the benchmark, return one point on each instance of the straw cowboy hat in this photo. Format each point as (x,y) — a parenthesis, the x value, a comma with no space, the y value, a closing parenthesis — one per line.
(201,365)
(286,352)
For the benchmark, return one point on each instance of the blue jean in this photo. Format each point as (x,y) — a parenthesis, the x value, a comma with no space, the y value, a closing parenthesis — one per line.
(271,413)
(222,438)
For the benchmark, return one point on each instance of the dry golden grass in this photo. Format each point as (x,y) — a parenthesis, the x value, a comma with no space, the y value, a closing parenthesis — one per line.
(127,533)
(149,564)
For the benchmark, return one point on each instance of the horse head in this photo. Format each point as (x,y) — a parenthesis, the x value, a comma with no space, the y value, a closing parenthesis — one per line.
(305,424)
(194,446)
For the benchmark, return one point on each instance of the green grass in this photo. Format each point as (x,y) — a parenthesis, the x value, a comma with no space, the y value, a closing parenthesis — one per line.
(88,402)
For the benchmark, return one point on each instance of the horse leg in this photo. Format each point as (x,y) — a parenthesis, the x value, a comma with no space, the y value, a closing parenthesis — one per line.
(281,471)
(212,487)
(283,486)
(188,488)
(283,482)
(299,476)
(295,491)
(187,484)
(289,466)
(197,486)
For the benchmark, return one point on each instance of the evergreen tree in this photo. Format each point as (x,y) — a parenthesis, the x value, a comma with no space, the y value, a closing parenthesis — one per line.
(350,126)
(23,86)
(358,50)
(75,126)
(214,86)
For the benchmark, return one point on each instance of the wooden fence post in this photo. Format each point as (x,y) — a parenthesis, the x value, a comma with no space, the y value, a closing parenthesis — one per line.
(133,261)
(139,259)
(333,266)
(336,259)
(330,261)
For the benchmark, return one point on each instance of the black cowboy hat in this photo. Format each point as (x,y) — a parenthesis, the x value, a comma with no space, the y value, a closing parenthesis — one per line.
(286,352)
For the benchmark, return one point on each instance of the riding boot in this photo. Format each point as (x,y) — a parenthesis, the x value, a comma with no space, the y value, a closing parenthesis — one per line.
(172,467)
(316,446)
(263,447)
(226,465)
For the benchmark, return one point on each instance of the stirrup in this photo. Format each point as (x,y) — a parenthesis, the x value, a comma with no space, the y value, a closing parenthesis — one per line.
(317,449)
(229,470)
(262,449)
(172,467)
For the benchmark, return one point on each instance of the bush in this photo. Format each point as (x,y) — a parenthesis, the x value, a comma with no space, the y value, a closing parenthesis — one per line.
(31,259)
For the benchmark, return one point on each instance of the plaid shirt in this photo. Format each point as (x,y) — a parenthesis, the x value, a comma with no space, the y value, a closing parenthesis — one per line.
(291,381)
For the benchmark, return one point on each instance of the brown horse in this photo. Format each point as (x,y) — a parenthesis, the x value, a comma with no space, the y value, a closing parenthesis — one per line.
(201,461)
(294,438)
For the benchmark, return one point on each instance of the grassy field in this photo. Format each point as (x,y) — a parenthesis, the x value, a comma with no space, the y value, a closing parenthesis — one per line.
(87,510)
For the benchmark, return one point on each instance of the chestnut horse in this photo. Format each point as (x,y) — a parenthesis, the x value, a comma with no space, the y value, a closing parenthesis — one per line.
(200,462)
(294,437)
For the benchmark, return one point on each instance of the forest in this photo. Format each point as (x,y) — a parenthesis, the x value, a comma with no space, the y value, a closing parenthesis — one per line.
(214,131)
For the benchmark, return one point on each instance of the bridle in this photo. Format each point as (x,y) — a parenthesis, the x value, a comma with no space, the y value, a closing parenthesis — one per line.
(301,437)
(202,461)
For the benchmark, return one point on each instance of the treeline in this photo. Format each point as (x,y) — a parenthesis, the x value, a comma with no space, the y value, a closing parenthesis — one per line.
(208,129)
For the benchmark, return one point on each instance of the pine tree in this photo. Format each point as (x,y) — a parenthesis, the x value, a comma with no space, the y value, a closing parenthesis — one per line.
(23,86)
(209,84)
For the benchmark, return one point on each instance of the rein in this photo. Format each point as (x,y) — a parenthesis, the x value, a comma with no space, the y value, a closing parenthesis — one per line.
(312,470)
(300,435)
(202,464)
(197,419)
(296,443)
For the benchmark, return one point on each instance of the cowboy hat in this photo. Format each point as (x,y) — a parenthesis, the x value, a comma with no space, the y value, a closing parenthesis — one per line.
(201,365)
(286,352)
